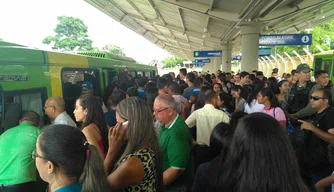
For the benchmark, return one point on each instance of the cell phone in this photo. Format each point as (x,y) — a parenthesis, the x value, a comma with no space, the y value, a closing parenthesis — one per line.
(125,123)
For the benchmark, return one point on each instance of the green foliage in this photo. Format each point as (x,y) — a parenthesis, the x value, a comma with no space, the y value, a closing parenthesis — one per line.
(114,49)
(322,35)
(172,61)
(70,32)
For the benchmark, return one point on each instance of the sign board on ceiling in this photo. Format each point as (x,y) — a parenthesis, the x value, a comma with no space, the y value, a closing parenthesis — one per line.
(202,60)
(200,64)
(236,58)
(285,39)
(264,51)
(211,53)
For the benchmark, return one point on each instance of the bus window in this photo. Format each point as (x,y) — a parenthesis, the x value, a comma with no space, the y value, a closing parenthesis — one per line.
(17,102)
(132,74)
(112,76)
(72,79)
(140,74)
(327,66)
(148,74)
(318,64)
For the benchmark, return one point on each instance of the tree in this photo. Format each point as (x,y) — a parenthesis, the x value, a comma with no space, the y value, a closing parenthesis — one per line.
(114,49)
(70,32)
(172,61)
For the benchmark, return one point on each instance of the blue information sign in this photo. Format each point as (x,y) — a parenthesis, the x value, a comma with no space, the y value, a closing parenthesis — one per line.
(212,53)
(264,51)
(202,60)
(235,58)
(200,64)
(285,39)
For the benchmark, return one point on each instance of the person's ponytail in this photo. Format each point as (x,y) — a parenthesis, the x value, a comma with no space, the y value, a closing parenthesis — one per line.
(93,177)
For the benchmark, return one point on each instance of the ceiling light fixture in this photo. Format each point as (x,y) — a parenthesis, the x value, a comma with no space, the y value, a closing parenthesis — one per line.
(206,33)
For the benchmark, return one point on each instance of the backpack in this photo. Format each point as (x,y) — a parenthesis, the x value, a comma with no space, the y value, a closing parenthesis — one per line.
(289,126)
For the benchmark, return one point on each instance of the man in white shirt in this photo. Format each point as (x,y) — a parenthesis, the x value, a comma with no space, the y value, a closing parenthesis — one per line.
(205,119)
(55,109)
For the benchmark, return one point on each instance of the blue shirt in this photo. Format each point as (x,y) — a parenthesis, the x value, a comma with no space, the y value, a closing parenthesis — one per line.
(75,187)
(194,91)
(141,94)
(110,117)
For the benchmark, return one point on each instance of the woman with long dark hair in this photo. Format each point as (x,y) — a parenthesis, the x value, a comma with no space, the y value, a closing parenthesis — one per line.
(68,162)
(224,103)
(140,166)
(88,111)
(282,95)
(271,106)
(220,140)
(260,159)
(252,105)
(217,87)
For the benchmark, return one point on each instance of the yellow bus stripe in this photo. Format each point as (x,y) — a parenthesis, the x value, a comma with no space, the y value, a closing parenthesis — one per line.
(57,62)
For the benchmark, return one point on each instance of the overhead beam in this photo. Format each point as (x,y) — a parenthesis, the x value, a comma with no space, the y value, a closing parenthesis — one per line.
(289,23)
(181,19)
(177,46)
(292,16)
(144,17)
(182,41)
(211,4)
(157,12)
(172,34)
(177,29)
(178,51)
(204,10)
(289,11)
(207,22)
(136,8)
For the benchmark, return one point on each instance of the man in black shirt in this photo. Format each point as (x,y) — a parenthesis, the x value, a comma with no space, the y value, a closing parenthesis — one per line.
(319,134)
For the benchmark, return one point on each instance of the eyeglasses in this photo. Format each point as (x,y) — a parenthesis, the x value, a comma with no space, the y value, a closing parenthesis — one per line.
(316,98)
(158,111)
(34,155)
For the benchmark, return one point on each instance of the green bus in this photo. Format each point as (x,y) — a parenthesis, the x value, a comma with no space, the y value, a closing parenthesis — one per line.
(29,76)
(324,62)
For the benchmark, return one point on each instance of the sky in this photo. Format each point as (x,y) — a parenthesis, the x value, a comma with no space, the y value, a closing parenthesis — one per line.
(27,22)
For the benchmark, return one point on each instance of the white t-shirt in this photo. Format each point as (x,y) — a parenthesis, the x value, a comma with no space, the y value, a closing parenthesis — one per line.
(253,107)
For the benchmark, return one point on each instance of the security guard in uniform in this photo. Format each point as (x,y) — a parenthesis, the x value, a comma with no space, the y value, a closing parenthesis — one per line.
(299,93)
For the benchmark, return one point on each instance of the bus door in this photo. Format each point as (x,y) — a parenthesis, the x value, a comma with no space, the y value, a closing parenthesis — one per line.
(109,76)
(15,102)
(1,111)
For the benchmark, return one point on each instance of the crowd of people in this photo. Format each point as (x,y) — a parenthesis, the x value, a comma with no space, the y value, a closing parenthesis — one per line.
(187,132)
